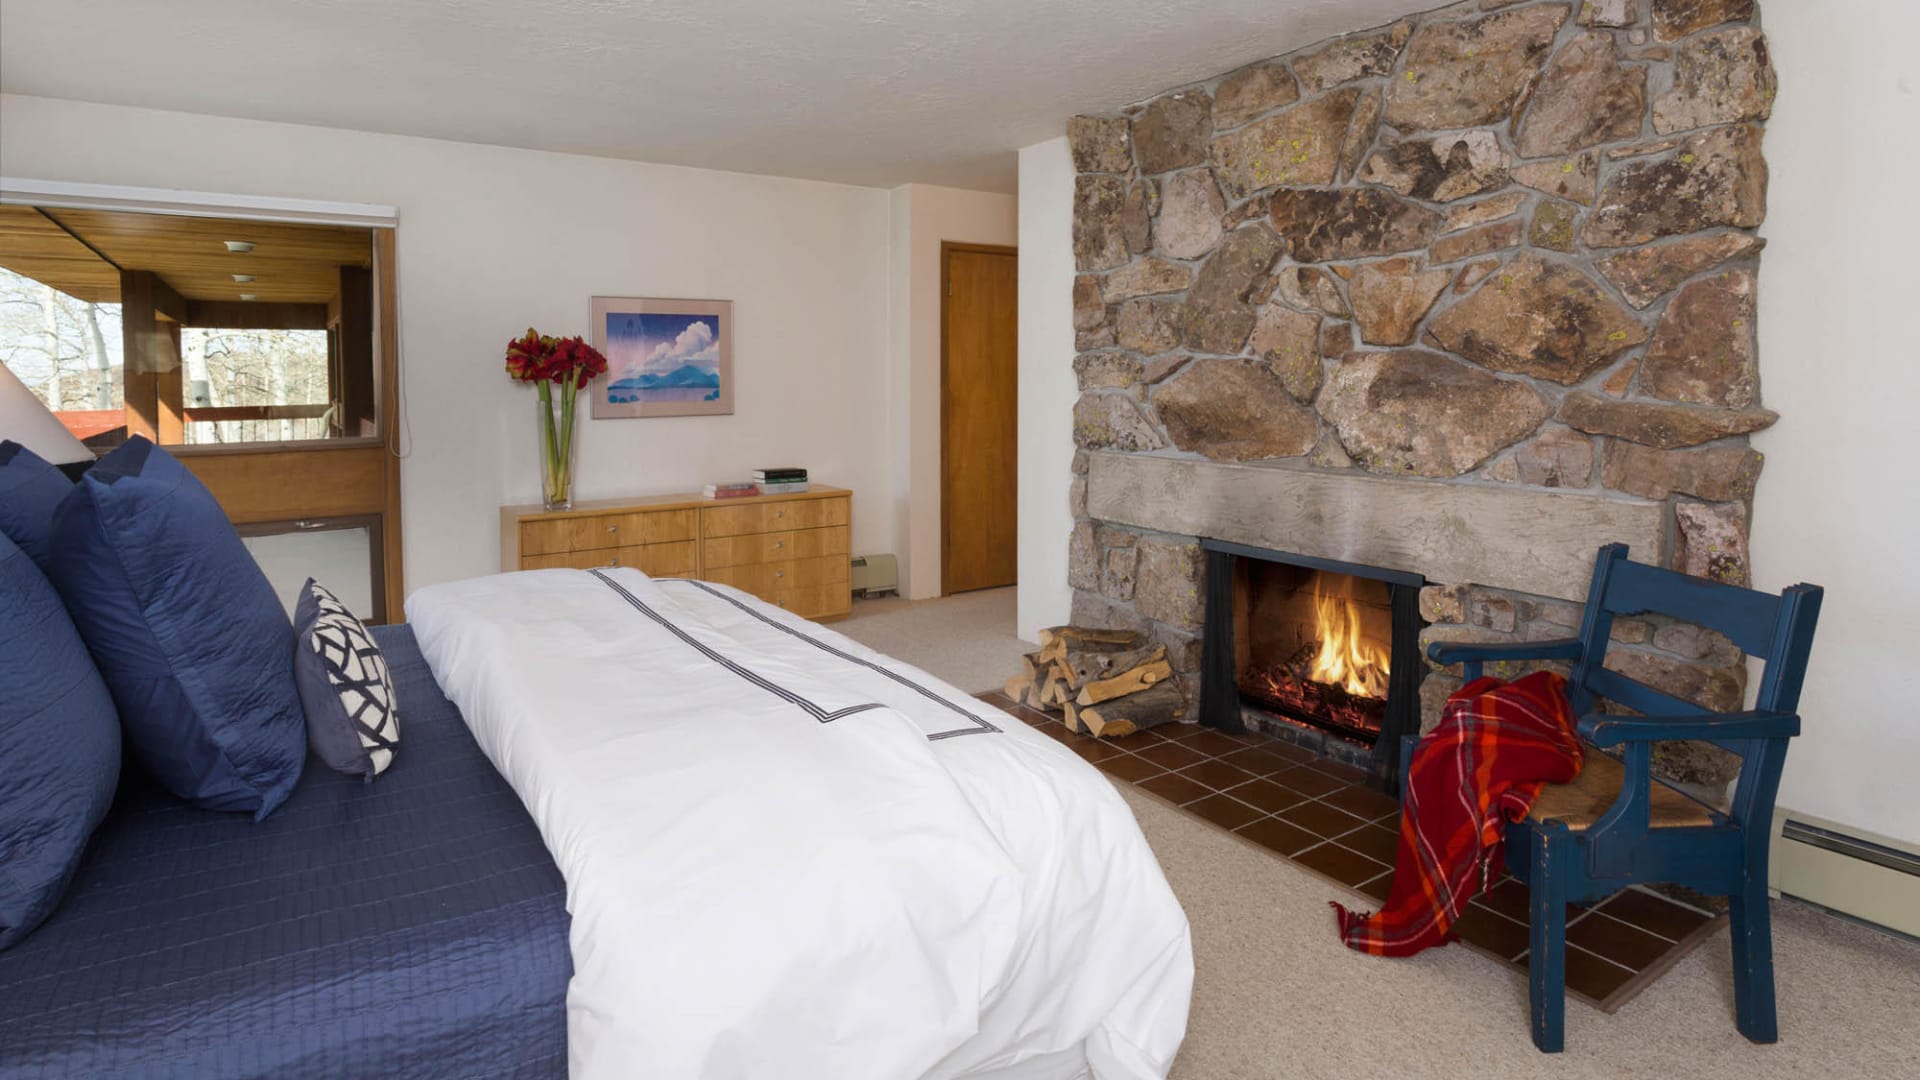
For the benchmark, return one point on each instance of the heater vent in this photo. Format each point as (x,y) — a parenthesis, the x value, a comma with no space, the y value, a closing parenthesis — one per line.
(1836,868)
(875,574)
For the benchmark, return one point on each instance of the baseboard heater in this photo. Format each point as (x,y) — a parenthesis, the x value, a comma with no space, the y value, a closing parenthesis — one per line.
(1873,879)
(875,574)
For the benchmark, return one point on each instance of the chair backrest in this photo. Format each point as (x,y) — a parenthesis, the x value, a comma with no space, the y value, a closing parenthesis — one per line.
(1777,629)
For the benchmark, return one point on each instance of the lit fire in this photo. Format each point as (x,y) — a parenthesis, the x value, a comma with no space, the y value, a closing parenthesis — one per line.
(1346,659)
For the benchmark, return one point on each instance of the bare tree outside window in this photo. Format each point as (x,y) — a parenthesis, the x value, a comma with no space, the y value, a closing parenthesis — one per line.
(69,353)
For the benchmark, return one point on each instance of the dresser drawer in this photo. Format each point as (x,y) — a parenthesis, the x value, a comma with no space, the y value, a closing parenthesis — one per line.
(753,577)
(625,530)
(814,602)
(724,551)
(774,516)
(654,560)
(808,514)
(805,573)
(545,538)
(732,520)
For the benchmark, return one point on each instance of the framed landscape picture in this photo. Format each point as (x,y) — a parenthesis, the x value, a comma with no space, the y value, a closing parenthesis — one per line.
(664,357)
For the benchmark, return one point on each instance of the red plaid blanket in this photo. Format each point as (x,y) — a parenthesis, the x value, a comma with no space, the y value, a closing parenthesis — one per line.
(1497,745)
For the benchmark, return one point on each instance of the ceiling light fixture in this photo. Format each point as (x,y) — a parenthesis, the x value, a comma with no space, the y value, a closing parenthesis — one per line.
(239,247)
(243,278)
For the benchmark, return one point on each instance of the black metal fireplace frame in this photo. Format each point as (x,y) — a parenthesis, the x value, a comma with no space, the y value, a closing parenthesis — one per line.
(1220,705)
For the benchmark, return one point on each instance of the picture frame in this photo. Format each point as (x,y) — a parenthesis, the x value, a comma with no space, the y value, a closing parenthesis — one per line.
(664,357)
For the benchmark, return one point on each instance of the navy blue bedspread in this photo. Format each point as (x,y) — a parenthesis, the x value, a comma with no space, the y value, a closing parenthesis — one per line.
(412,927)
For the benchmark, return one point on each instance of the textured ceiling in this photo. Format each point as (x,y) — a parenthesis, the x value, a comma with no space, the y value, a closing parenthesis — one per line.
(876,92)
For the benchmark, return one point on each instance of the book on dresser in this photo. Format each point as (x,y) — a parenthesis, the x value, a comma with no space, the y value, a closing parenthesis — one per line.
(792,549)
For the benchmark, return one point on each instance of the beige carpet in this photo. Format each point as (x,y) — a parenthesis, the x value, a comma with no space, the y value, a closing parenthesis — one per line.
(1275,995)
(967,639)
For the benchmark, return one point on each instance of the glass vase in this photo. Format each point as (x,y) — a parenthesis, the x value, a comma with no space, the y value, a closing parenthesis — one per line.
(554,420)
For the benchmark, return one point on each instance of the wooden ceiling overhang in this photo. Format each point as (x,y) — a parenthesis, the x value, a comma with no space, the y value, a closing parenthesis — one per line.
(82,252)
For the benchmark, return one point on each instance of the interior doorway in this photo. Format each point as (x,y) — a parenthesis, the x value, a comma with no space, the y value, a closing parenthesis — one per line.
(978,416)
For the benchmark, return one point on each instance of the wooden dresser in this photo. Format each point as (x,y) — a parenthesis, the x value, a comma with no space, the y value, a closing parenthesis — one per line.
(790,550)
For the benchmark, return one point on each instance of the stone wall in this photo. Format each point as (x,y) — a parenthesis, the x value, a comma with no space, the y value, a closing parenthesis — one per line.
(1500,243)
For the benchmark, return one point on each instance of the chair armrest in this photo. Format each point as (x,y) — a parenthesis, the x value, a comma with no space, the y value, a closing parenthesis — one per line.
(1471,654)
(1603,730)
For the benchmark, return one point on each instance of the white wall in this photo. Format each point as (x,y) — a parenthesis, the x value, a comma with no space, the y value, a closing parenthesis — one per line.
(1839,502)
(493,240)
(1047,384)
(928,215)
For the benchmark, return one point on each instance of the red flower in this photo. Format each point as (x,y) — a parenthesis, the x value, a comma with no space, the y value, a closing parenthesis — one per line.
(537,358)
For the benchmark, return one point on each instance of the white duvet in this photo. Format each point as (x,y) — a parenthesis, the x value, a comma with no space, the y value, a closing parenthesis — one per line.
(789,856)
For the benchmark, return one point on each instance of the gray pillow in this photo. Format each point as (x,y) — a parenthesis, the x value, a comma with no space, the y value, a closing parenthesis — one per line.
(353,722)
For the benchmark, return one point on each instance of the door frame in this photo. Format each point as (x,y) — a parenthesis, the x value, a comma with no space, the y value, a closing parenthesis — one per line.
(947,247)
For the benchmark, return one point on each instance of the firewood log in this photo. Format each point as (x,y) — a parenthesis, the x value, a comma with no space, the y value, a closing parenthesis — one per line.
(1033,700)
(1083,667)
(1016,687)
(1072,718)
(1033,665)
(1136,712)
(1132,681)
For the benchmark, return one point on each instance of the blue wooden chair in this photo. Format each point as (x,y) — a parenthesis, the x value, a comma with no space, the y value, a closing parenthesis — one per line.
(1615,825)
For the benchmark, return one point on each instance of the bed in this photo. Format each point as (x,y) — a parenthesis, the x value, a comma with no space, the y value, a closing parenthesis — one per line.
(635,827)
(787,855)
(414,927)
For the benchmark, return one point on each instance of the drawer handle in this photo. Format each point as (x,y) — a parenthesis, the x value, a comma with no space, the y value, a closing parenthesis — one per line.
(779,513)
(778,544)
(779,573)
(613,528)
(615,561)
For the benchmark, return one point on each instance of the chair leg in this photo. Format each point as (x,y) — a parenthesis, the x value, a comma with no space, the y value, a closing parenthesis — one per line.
(1547,961)
(1752,925)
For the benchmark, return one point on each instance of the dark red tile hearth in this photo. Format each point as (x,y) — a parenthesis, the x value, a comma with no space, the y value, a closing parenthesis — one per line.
(1625,945)
(1320,819)
(1171,755)
(1094,750)
(1317,813)
(1175,788)
(1208,741)
(1362,802)
(1655,914)
(1381,845)
(1225,811)
(1259,762)
(1344,865)
(1267,795)
(1129,768)
(1496,934)
(1217,774)
(1308,781)
(1278,836)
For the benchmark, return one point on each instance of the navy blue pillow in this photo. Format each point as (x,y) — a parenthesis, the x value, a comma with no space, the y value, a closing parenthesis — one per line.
(185,629)
(29,490)
(59,746)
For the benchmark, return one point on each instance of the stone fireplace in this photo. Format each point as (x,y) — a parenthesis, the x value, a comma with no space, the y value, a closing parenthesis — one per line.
(1461,299)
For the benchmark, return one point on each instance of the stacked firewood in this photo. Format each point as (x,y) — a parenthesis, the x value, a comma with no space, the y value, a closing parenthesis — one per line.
(1104,682)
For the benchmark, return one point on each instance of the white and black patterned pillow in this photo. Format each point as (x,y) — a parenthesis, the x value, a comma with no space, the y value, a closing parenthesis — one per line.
(353,722)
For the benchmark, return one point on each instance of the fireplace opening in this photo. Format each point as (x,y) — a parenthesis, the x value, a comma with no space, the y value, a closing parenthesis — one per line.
(1314,646)
(1322,653)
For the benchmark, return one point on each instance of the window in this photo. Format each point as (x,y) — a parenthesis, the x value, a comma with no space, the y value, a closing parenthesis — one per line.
(239,332)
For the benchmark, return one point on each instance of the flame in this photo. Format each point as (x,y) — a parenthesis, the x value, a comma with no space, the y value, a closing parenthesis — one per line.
(1346,659)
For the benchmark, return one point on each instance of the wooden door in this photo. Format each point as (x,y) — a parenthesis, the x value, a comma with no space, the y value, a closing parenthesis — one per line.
(978,383)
